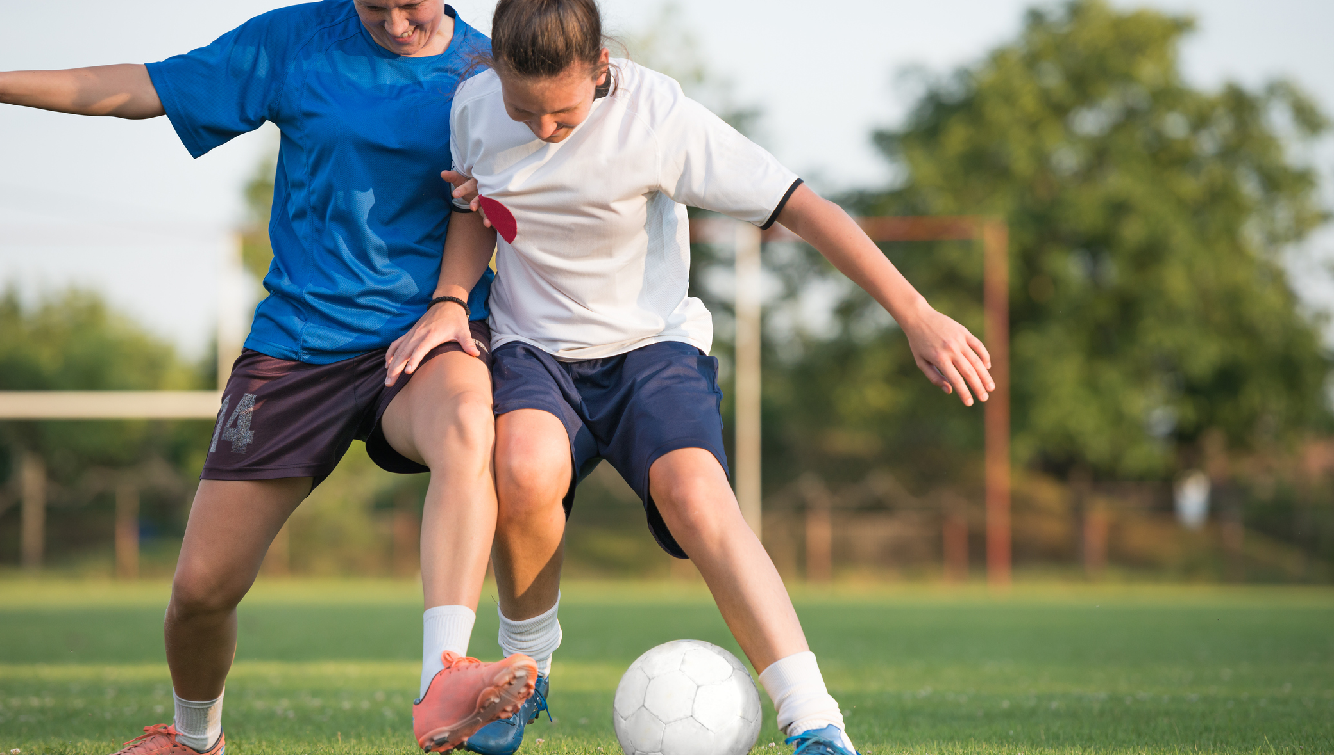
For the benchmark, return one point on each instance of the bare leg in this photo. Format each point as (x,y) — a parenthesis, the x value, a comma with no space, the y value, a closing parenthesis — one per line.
(533,471)
(231,526)
(443,419)
(697,503)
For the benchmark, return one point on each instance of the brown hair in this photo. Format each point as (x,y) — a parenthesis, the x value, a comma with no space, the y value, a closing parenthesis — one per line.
(541,38)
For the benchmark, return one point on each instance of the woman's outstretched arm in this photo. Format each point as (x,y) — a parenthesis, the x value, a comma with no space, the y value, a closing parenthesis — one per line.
(123,91)
(949,356)
(468,247)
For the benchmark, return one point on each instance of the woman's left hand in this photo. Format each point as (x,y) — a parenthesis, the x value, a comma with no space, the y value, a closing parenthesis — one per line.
(949,356)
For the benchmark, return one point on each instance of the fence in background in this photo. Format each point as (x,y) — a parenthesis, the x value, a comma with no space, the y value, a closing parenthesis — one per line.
(747,241)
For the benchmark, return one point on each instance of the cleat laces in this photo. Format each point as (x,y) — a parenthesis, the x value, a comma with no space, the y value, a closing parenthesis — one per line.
(149,733)
(539,707)
(464,661)
(811,743)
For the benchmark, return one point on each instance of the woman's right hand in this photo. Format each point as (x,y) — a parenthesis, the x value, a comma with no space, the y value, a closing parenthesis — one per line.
(443,323)
(465,188)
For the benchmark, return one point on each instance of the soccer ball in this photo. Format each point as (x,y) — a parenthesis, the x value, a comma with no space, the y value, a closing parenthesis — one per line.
(686,697)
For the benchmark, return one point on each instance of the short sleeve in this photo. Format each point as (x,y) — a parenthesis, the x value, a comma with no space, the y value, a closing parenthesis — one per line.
(225,89)
(462,147)
(706,163)
(460,165)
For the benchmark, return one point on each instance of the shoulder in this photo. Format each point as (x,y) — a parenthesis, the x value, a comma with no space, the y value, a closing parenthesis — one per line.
(478,88)
(471,42)
(637,83)
(649,94)
(293,27)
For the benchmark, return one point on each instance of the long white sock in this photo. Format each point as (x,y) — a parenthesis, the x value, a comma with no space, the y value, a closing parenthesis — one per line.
(443,628)
(800,697)
(536,638)
(198,723)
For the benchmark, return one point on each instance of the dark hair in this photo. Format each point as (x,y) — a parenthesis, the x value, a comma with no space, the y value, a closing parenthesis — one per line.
(541,38)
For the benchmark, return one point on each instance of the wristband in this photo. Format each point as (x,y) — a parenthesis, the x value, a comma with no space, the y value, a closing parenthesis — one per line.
(455,299)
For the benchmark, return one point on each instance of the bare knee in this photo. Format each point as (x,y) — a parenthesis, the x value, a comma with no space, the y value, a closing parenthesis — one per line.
(532,478)
(691,492)
(474,425)
(463,434)
(692,508)
(199,592)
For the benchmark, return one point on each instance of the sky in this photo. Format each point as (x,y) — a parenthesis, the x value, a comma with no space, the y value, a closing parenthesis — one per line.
(120,207)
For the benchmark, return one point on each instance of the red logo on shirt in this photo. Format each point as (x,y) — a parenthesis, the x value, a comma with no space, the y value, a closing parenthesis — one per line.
(501,218)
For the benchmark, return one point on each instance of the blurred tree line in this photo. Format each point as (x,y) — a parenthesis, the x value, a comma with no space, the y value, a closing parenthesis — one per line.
(71,340)
(1154,327)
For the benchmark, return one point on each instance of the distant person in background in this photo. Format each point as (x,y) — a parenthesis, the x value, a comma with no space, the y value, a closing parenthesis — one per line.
(584,167)
(361,92)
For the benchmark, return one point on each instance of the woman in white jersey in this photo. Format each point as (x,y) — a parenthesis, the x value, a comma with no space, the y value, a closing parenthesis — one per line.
(584,167)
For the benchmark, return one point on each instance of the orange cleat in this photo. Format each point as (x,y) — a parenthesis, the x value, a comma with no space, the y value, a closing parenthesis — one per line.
(161,740)
(467,695)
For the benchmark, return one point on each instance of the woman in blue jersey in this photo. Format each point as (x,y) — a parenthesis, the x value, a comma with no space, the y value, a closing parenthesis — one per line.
(361,92)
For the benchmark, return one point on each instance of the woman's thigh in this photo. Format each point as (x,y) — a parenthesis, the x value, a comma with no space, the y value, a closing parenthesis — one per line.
(232,523)
(444,411)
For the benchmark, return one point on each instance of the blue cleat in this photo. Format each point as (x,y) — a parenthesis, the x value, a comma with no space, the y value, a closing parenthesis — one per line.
(503,737)
(826,741)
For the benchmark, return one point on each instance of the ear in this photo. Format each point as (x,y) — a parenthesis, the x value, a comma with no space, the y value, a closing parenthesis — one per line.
(604,61)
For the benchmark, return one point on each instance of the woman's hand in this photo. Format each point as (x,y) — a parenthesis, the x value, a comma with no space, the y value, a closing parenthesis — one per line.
(951,358)
(466,188)
(442,323)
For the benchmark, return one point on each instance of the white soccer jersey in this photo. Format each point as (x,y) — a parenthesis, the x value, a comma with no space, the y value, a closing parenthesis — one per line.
(596,259)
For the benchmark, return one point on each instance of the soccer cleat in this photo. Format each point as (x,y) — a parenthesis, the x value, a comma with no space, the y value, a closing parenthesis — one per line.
(503,737)
(468,694)
(825,741)
(161,740)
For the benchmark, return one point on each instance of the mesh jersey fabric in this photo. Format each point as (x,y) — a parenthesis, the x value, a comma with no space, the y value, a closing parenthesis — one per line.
(594,256)
(359,210)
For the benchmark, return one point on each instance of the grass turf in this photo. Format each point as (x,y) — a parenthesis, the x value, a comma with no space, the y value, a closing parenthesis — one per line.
(332,667)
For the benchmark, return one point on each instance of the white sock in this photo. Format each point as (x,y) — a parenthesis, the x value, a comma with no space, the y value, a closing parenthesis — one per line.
(443,628)
(536,638)
(800,697)
(198,723)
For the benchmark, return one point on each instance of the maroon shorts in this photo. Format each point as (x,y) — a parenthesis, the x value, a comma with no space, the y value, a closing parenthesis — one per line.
(281,418)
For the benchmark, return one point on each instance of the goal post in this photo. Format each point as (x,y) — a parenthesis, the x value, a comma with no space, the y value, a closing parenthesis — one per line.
(993,236)
(231,330)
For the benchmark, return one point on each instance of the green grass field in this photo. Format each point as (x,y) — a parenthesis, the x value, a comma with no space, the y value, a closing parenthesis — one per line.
(332,667)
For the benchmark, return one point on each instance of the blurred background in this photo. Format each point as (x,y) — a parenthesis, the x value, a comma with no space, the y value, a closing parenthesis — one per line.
(1165,171)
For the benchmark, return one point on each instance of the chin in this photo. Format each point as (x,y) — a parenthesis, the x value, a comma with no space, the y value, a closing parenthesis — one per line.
(402,48)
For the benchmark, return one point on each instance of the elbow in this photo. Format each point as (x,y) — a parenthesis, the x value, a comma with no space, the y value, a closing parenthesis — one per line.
(140,115)
(132,108)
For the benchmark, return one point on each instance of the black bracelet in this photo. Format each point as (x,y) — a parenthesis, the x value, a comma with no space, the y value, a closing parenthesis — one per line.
(454,299)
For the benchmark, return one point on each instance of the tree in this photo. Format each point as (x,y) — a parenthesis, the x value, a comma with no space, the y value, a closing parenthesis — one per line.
(256,253)
(1150,307)
(73,341)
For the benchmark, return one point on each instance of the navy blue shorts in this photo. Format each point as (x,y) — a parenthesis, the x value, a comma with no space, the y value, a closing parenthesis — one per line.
(629,409)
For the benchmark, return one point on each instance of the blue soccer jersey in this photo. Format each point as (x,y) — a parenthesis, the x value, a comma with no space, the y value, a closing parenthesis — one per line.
(359,209)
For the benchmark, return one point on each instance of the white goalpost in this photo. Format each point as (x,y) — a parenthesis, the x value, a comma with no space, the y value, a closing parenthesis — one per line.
(232,324)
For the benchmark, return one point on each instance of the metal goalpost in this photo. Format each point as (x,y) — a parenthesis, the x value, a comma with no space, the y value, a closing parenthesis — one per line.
(993,235)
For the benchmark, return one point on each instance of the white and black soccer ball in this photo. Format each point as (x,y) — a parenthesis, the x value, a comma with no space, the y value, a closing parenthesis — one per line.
(686,697)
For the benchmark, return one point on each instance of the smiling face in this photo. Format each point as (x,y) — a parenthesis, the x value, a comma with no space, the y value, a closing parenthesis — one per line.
(413,28)
(553,106)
